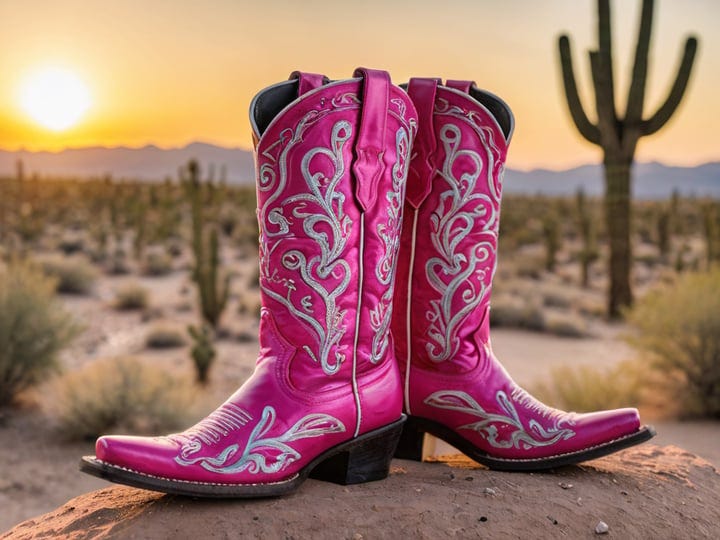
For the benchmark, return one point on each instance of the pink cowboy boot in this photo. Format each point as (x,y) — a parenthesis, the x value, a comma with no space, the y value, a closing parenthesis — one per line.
(454,387)
(325,399)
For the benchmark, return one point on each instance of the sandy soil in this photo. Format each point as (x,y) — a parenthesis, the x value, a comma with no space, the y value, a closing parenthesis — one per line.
(38,470)
(646,492)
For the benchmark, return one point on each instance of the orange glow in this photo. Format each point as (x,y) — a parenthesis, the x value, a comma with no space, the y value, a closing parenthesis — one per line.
(184,70)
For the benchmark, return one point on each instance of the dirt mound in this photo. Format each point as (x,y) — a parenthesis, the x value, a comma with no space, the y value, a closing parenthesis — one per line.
(648,492)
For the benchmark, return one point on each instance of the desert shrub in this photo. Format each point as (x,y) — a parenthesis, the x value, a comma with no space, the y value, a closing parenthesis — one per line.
(530,266)
(131,296)
(33,328)
(651,260)
(119,395)
(157,263)
(117,264)
(245,336)
(164,336)
(516,312)
(174,248)
(73,275)
(678,329)
(557,297)
(590,307)
(71,243)
(152,313)
(587,388)
(566,325)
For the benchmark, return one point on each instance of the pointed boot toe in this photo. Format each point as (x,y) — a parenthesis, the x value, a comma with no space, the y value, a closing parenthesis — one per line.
(143,454)
(602,426)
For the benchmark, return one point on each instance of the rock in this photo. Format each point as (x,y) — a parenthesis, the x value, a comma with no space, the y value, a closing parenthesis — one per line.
(423,504)
(601,528)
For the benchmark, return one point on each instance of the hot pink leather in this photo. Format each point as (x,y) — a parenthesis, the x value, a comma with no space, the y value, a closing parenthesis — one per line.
(463,86)
(422,170)
(308,81)
(447,261)
(329,236)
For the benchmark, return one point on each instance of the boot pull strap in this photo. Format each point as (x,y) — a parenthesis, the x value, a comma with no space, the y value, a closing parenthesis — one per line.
(308,81)
(422,93)
(369,147)
(463,86)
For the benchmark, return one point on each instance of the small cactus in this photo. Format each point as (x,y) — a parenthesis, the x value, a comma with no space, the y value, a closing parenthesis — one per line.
(202,352)
(712,233)
(551,237)
(140,216)
(213,288)
(589,251)
(663,233)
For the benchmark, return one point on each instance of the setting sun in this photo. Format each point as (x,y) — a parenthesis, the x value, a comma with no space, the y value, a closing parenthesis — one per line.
(54,98)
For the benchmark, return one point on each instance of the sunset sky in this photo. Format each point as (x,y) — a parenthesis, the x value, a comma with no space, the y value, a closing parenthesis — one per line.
(169,72)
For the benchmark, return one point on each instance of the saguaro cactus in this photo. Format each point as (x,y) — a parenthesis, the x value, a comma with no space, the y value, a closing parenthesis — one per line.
(213,288)
(618,136)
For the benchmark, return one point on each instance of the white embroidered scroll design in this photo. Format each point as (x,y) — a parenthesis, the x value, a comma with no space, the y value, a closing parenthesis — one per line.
(517,436)
(263,454)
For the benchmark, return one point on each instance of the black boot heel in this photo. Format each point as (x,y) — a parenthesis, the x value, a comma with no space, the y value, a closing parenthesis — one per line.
(411,441)
(364,459)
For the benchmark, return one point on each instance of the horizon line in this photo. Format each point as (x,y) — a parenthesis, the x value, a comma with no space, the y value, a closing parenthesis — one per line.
(250,150)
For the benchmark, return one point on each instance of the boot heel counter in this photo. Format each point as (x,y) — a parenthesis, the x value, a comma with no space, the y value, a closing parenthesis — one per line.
(380,393)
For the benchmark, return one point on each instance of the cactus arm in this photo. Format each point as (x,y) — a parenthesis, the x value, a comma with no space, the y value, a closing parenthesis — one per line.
(636,94)
(586,128)
(605,50)
(666,110)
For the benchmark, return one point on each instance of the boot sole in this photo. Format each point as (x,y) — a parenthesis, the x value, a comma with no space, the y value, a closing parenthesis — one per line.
(363,459)
(411,444)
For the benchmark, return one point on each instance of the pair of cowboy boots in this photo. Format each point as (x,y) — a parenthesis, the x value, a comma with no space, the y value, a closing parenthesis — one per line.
(378,209)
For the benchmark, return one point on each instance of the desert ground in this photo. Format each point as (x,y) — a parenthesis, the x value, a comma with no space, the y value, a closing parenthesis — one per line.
(543,318)
(39,467)
(644,492)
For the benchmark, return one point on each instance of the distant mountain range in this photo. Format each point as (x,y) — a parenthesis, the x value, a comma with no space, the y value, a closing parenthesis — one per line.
(145,163)
(651,180)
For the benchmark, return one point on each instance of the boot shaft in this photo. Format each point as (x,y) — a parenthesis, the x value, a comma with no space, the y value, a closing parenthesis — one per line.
(450,232)
(332,161)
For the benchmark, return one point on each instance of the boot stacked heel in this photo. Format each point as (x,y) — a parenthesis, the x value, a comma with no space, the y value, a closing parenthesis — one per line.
(364,459)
